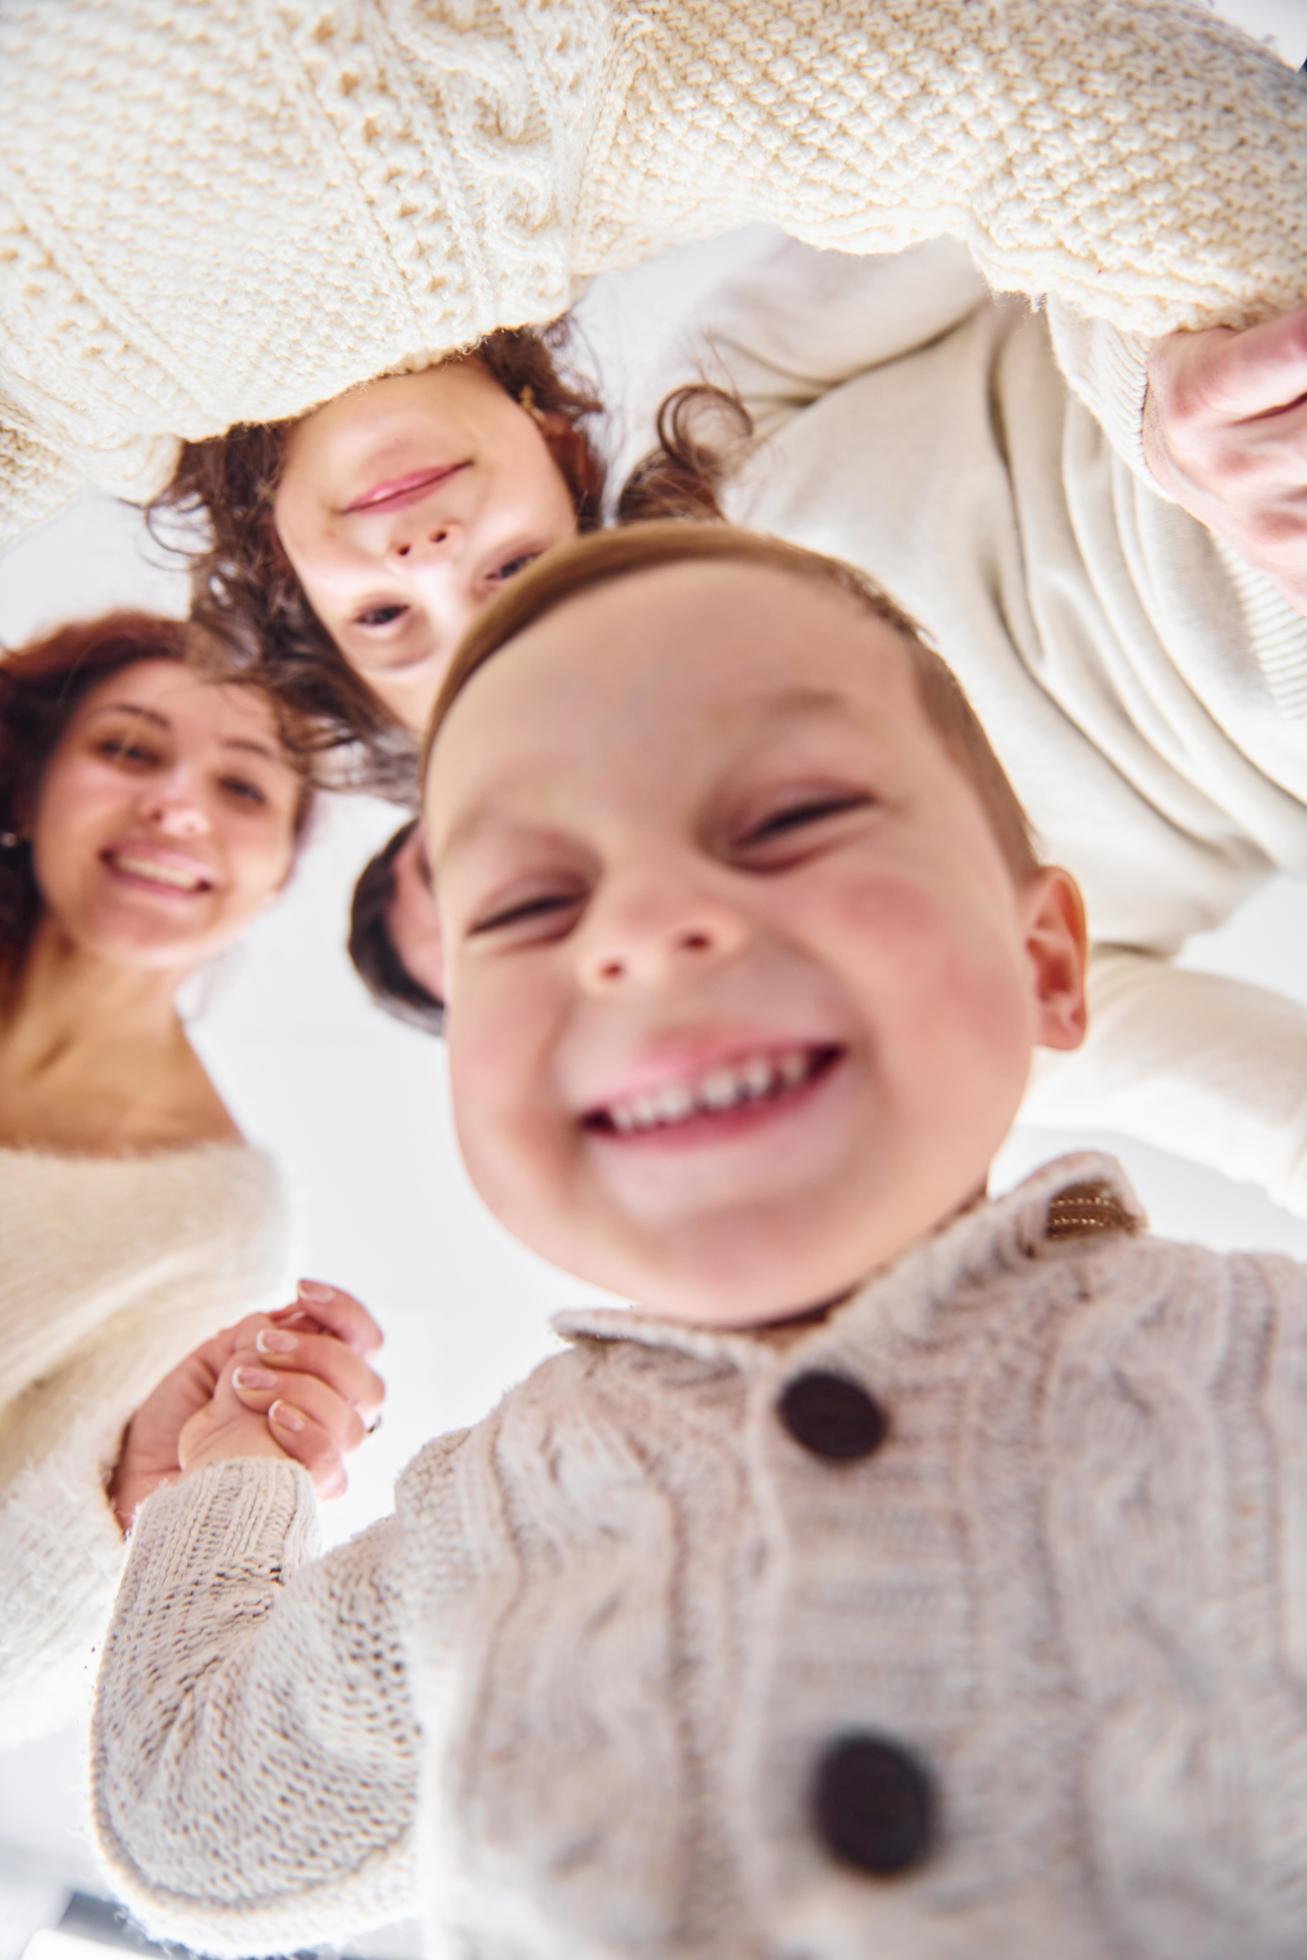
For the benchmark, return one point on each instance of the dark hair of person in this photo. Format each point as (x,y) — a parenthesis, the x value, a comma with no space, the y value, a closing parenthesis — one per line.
(592,562)
(372,949)
(245,591)
(41,685)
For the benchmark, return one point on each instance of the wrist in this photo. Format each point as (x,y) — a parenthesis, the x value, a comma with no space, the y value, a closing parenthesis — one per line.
(242,1436)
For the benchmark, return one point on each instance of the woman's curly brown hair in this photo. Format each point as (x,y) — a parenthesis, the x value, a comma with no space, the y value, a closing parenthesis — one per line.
(247,596)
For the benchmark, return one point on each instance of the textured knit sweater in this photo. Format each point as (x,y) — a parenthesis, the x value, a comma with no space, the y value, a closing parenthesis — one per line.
(687,1643)
(111,1270)
(287,197)
(1146,692)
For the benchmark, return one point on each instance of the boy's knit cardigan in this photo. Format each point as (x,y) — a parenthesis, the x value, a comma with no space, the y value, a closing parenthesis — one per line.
(223,211)
(971,1620)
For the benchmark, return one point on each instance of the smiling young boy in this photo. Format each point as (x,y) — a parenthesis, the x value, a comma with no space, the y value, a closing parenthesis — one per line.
(913,1570)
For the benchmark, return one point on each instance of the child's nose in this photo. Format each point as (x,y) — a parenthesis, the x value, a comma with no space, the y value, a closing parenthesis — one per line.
(653,943)
(418,545)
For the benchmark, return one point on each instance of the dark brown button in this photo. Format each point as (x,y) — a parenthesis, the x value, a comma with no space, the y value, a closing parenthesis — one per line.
(832,1416)
(873,1805)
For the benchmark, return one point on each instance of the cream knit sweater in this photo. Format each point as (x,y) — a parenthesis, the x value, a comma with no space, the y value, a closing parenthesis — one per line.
(112,1269)
(215,211)
(1146,693)
(575,1695)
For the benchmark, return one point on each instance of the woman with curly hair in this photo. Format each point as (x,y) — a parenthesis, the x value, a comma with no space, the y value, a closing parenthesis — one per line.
(148,814)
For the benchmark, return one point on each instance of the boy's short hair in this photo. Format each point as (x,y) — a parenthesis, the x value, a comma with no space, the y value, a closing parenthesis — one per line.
(372,949)
(609,555)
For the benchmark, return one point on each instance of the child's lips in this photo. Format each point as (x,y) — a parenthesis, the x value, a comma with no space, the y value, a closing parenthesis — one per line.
(722,1104)
(396,493)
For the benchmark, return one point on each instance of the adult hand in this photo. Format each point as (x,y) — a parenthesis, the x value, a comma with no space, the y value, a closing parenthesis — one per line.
(198,1413)
(1225,435)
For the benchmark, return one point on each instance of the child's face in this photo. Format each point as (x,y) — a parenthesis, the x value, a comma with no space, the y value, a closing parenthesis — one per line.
(741,992)
(403,506)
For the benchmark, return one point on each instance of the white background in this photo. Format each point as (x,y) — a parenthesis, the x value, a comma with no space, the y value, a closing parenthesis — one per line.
(356,1107)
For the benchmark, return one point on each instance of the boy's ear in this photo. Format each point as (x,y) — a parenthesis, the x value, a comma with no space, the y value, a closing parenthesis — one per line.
(1057,940)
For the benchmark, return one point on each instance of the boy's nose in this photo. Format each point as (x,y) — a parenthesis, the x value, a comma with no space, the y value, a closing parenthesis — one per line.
(655,943)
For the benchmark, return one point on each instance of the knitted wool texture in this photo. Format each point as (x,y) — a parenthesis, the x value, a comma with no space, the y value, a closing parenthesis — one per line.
(223,211)
(113,1270)
(570,1697)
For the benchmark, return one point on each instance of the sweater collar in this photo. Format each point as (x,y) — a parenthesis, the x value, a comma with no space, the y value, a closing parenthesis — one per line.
(1086,1194)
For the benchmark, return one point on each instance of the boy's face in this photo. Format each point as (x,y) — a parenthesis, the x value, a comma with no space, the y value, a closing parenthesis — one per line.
(741,992)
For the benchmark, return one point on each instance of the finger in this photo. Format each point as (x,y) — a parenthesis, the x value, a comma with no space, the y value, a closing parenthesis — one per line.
(327,1357)
(258,1387)
(1240,376)
(310,1443)
(341,1314)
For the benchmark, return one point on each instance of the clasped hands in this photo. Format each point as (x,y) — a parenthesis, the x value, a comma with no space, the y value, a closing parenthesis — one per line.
(296,1383)
(1225,436)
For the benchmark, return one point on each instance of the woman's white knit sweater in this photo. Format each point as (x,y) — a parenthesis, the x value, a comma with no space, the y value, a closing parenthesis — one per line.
(111,1270)
(581,1694)
(282,198)
(1146,693)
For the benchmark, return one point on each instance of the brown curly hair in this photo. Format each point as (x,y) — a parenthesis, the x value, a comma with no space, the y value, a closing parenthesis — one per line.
(247,596)
(41,685)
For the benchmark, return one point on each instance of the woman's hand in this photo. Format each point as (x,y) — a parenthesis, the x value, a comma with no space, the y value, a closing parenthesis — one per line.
(240,1394)
(1225,435)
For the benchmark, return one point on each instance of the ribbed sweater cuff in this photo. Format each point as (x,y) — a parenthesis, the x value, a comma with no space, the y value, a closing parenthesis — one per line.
(253,1513)
(1277,632)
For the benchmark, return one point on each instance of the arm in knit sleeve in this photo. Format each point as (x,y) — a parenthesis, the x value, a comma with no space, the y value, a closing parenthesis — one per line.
(254,1752)
(1140,160)
(795,322)
(61,1553)
(1210,1068)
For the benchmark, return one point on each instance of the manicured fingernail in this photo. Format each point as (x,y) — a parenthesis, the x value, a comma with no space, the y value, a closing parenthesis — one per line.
(313,1289)
(253,1378)
(275,1340)
(283,1414)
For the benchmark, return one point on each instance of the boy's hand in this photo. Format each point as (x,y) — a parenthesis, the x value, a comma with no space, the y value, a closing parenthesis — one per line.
(1225,434)
(199,1414)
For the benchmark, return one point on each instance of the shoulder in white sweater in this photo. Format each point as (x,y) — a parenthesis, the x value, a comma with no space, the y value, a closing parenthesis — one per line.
(114,1268)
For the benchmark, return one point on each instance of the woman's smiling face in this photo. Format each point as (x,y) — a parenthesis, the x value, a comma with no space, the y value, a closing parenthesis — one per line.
(166,816)
(403,506)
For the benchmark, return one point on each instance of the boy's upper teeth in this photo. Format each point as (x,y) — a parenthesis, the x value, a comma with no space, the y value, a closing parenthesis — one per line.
(722,1088)
(162,874)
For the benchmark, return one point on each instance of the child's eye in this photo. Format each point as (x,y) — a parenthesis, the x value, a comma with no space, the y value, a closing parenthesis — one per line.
(379,615)
(794,815)
(525,912)
(512,566)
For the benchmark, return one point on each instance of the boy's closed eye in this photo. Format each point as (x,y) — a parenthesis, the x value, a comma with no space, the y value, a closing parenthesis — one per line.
(539,908)
(803,811)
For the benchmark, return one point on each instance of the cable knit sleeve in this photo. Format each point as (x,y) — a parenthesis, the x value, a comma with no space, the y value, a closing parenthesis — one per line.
(468,166)
(254,1754)
(1210,1068)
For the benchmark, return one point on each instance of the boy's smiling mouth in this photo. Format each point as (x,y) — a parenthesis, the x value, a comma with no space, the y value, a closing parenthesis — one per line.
(703,1100)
